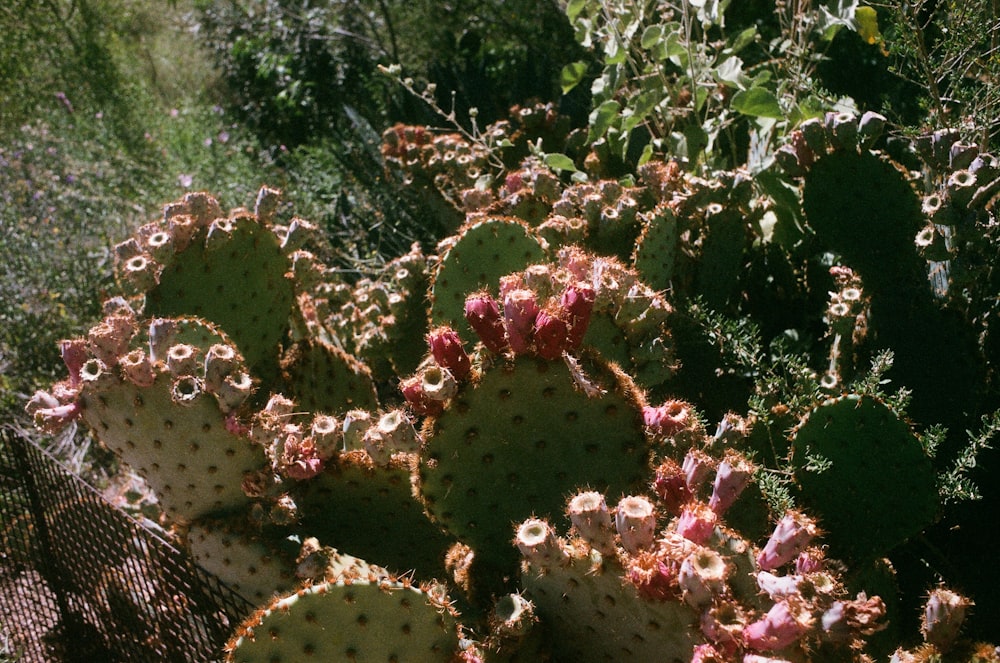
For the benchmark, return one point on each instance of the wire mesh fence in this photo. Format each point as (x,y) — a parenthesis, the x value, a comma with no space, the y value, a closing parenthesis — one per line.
(81,580)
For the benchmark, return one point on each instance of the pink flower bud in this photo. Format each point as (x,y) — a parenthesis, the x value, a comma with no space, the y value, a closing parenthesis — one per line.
(578,303)
(785,622)
(791,536)
(538,543)
(413,392)
(591,517)
(697,466)
(697,522)
(483,315)
(702,577)
(519,310)
(670,486)
(448,351)
(943,617)
(635,521)
(551,335)
(733,475)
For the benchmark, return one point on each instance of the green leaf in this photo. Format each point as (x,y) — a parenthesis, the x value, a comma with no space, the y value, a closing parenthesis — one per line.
(647,154)
(651,36)
(730,72)
(743,40)
(866,20)
(757,102)
(560,162)
(573,9)
(571,75)
(601,118)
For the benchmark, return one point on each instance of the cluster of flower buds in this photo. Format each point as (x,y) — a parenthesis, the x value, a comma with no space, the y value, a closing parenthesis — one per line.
(796,603)
(527,325)
(816,136)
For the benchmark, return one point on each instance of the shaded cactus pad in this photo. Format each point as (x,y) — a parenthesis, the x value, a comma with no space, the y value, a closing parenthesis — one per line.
(861,469)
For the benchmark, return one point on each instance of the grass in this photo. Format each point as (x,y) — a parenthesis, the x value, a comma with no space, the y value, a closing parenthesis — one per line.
(78,175)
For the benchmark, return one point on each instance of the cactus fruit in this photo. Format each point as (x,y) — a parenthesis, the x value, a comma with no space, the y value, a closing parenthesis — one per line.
(666,590)
(482,252)
(863,472)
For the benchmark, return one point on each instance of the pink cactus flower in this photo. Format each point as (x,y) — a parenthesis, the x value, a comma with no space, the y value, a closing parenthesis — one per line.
(784,624)
(733,475)
(697,466)
(446,346)
(520,307)
(483,315)
(791,536)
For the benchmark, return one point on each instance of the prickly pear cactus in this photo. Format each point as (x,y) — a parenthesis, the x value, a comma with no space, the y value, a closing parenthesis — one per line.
(360,613)
(166,406)
(233,270)
(371,509)
(629,585)
(861,469)
(481,253)
(493,456)
(323,378)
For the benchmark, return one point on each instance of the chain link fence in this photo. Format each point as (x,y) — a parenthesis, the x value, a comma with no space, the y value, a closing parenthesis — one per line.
(81,580)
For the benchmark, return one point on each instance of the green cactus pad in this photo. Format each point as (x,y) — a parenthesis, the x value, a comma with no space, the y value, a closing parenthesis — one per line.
(253,566)
(371,511)
(365,619)
(323,378)
(863,472)
(483,252)
(593,615)
(519,440)
(863,207)
(236,279)
(184,452)
(721,257)
(171,429)
(656,248)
